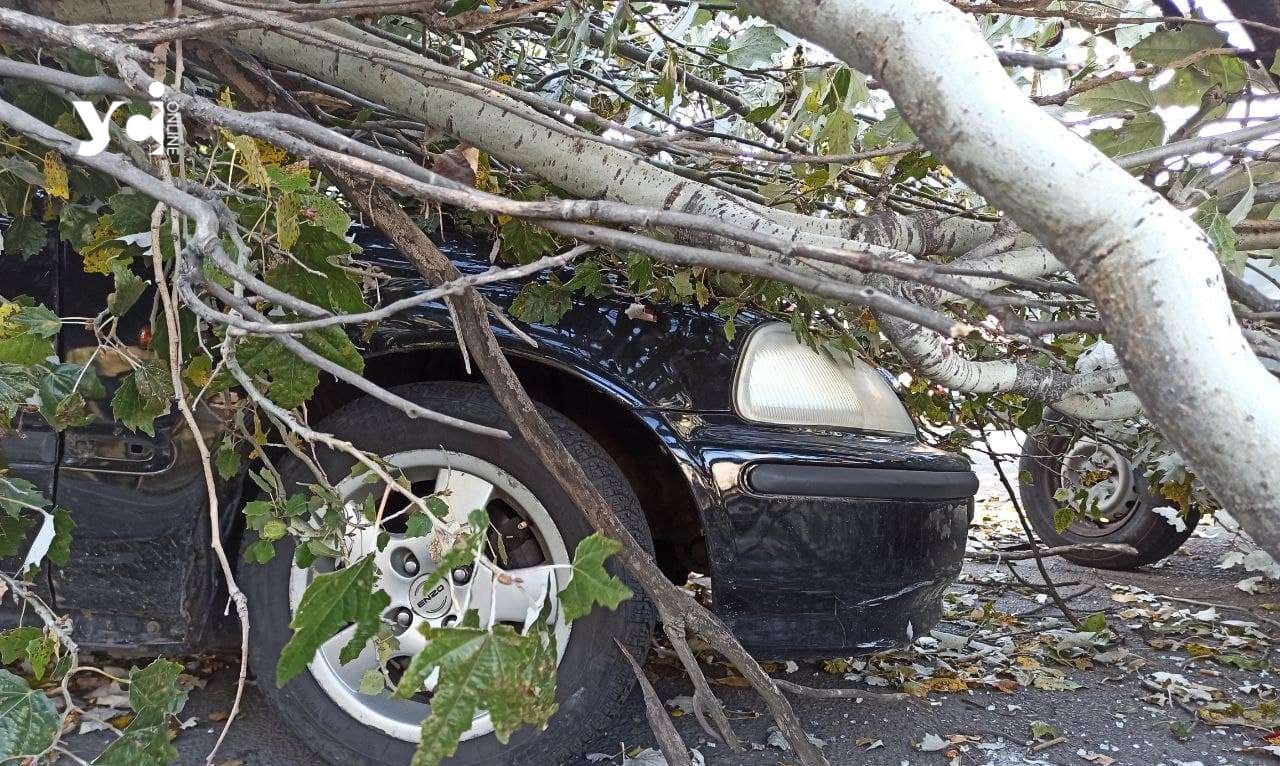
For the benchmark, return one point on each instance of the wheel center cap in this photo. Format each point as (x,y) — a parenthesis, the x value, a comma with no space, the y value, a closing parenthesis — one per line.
(430,602)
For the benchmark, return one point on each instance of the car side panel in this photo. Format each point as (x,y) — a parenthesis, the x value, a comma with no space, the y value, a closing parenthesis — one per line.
(29,446)
(141,575)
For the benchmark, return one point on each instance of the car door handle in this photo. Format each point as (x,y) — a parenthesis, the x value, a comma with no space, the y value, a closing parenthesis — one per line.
(114,451)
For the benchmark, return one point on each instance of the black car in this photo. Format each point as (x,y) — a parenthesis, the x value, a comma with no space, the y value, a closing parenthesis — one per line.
(795,481)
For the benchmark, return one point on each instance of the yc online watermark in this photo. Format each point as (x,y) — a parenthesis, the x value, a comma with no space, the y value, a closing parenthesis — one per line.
(163,126)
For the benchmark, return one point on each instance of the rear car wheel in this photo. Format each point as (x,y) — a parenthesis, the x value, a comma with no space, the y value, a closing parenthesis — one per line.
(1054,460)
(539,528)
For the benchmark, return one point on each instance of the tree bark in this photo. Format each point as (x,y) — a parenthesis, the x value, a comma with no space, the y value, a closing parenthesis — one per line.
(591,170)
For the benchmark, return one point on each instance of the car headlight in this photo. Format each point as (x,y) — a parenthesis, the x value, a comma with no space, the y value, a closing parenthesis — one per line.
(781,380)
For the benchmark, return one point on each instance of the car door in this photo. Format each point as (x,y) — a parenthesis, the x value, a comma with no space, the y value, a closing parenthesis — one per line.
(29,446)
(140,573)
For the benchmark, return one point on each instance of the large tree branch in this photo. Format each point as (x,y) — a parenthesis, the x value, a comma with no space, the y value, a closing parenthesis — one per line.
(747,224)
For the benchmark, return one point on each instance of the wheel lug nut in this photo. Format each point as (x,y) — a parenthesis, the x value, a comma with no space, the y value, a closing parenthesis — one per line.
(404,562)
(462,575)
(403,617)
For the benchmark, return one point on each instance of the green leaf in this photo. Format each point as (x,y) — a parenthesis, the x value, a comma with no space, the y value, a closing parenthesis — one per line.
(328,213)
(372,682)
(13,534)
(1063,518)
(762,113)
(1044,730)
(28,720)
(1226,72)
(892,129)
(131,212)
(1142,132)
(289,380)
(500,671)
(1241,662)
(682,283)
(331,602)
(129,287)
(154,696)
(588,280)
(274,530)
(1094,623)
(1168,45)
(60,549)
(39,653)
(836,136)
(143,395)
(1222,237)
(756,45)
(436,506)
(17,384)
(1031,416)
(639,272)
(75,224)
(25,349)
(289,180)
(260,552)
(65,393)
(1120,96)
(13,643)
(37,320)
(25,237)
(333,344)
(38,101)
(316,276)
(18,495)
(462,6)
(524,242)
(419,524)
(668,82)
(590,584)
(153,690)
(542,302)
(227,460)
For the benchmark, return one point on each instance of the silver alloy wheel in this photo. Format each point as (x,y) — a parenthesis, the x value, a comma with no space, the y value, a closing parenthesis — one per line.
(498,594)
(1087,456)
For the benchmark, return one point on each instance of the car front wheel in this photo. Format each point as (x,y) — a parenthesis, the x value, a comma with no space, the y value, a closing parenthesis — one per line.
(532,524)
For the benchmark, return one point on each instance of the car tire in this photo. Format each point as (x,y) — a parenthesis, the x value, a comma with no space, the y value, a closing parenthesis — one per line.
(1150,534)
(593,681)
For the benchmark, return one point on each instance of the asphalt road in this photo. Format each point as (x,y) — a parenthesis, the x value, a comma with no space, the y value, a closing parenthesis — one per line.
(1102,723)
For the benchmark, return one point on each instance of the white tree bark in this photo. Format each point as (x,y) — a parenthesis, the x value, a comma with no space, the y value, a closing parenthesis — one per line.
(1023,262)
(1148,267)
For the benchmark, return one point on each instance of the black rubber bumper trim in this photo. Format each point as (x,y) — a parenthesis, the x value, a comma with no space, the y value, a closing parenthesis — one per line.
(863,483)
